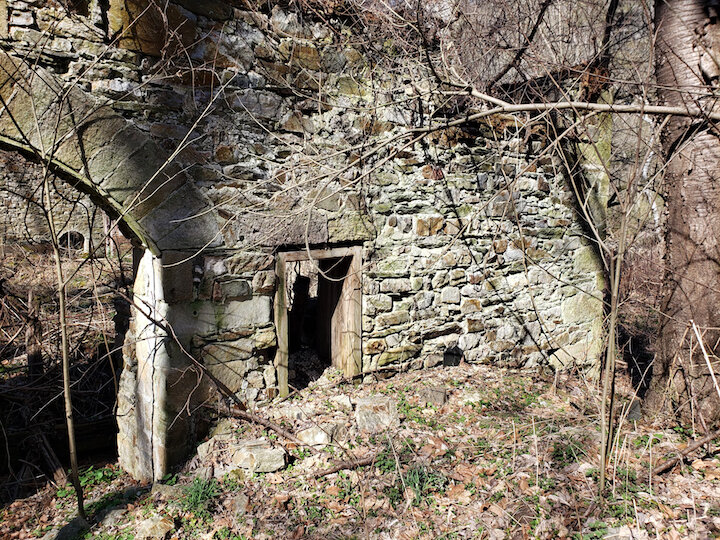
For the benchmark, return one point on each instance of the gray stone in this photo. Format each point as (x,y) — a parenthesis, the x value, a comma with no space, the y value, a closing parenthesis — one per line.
(154,527)
(433,395)
(395,285)
(581,307)
(376,414)
(71,531)
(113,516)
(317,435)
(239,504)
(235,289)
(342,402)
(169,493)
(257,455)
(450,295)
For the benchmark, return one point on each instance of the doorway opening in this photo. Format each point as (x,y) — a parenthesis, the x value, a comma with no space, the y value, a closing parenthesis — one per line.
(317,314)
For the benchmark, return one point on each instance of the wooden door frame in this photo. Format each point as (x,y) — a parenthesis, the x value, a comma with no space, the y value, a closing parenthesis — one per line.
(352,364)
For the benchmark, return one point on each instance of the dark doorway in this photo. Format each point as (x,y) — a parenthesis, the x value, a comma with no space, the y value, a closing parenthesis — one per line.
(317,310)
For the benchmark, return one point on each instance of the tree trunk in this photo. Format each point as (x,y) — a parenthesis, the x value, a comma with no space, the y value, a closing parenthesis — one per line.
(33,337)
(688,36)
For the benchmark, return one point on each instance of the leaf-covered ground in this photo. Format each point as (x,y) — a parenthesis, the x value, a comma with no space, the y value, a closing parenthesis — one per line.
(507,455)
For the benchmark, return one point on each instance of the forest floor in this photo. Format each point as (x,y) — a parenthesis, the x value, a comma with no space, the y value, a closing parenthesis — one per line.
(459,452)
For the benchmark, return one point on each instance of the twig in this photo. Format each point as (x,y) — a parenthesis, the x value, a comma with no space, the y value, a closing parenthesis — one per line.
(249,416)
(707,358)
(347,464)
(694,446)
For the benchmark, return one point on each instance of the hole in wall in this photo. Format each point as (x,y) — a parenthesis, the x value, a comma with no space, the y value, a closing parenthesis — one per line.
(71,241)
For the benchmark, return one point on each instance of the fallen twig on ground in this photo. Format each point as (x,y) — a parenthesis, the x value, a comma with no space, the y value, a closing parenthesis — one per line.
(669,464)
(346,464)
(249,416)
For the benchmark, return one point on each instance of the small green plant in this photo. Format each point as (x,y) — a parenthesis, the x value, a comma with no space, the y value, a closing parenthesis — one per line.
(170,479)
(596,530)
(199,495)
(642,441)
(302,453)
(394,494)
(566,452)
(386,460)
(93,477)
(424,482)
(347,490)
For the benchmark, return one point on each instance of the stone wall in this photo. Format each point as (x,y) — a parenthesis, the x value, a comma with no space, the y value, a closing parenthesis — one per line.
(23,220)
(469,239)
(299,138)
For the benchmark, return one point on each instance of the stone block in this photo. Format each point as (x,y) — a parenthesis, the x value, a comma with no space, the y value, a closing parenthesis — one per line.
(393,318)
(398,354)
(265,338)
(375,414)
(475,325)
(235,289)
(177,276)
(373,346)
(300,54)
(317,435)
(450,295)
(147,27)
(429,226)
(586,260)
(581,307)
(263,282)
(471,305)
(3,19)
(350,227)
(257,456)
(379,302)
(395,285)
(259,103)
(241,314)
(156,526)
(433,395)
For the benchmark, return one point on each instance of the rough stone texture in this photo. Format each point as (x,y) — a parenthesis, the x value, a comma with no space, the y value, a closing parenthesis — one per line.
(155,527)
(449,273)
(376,414)
(433,395)
(257,456)
(24,223)
(316,435)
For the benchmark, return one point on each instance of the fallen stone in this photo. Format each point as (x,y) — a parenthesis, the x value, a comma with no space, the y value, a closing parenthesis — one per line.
(257,455)
(113,516)
(293,412)
(166,492)
(154,527)
(342,402)
(433,395)
(238,504)
(317,435)
(210,446)
(70,531)
(376,414)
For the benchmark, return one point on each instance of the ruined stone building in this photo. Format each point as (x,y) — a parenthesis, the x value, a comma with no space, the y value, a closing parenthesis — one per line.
(288,222)
(81,226)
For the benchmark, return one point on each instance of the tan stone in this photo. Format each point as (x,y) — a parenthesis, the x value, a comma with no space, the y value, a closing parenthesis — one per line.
(142,27)
(429,226)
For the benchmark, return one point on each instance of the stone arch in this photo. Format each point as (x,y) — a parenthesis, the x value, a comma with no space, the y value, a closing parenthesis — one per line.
(87,144)
(84,142)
